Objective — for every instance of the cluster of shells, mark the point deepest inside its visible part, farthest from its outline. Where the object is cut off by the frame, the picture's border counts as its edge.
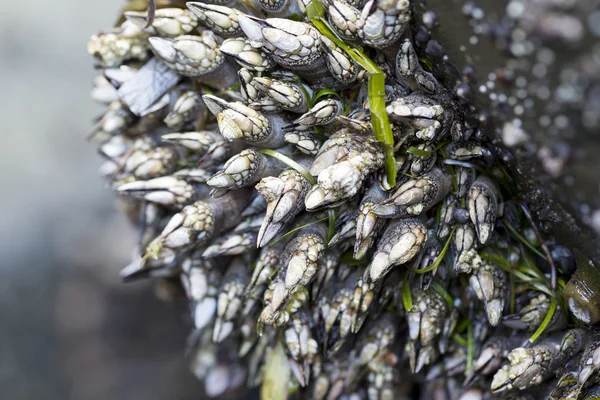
(239, 140)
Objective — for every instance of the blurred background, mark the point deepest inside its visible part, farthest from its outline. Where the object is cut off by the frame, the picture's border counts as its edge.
(69, 329)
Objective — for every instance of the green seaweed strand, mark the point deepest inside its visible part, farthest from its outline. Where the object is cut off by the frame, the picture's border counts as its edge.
(546, 321)
(296, 230)
(406, 295)
(290, 163)
(470, 349)
(439, 258)
(379, 117)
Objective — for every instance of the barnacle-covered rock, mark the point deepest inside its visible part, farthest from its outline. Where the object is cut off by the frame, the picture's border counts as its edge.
(306, 266)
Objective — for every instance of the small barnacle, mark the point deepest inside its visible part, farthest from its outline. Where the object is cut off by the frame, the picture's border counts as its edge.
(243, 169)
(464, 151)
(298, 267)
(185, 112)
(528, 366)
(368, 224)
(399, 244)
(285, 199)
(425, 324)
(247, 55)
(285, 95)
(491, 286)
(293, 45)
(113, 48)
(464, 241)
(341, 170)
(483, 207)
(323, 112)
(382, 23)
(237, 121)
(189, 55)
(220, 19)
(169, 22)
(416, 195)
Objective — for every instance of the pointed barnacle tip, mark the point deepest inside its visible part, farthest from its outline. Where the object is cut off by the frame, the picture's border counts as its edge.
(378, 266)
(279, 294)
(314, 198)
(214, 104)
(228, 128)
(204, 312)
(154, 248)
(174, 136)
(383, 210)
(266, 234)
(303, 119)
(484, 232)
(195, 6)
(229, 48)
(360, 249)
(250, 27)
(494, 311)
(498, 386)
(136, 17)
(219, 180)
(162, 47)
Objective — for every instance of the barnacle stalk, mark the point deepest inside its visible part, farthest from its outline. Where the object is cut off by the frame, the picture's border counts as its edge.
(583, 292)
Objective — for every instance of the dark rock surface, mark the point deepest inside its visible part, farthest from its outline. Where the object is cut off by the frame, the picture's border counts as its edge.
(537, 67)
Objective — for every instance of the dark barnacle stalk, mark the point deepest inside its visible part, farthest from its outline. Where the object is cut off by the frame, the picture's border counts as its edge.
(341, 220)
(582, 292)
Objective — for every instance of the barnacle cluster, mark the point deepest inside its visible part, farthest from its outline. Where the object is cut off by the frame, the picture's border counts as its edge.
(338, 214)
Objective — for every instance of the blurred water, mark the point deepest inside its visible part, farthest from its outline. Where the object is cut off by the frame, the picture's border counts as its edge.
(69, 329)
